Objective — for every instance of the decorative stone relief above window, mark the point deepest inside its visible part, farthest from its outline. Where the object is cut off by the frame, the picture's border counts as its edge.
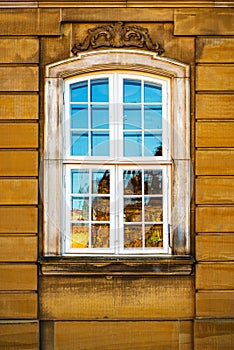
(117, 35)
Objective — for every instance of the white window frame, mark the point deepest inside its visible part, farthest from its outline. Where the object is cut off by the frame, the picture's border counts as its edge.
(136, 61)
(117, 158)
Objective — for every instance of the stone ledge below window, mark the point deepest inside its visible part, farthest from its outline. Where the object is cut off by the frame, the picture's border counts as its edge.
(175, 265)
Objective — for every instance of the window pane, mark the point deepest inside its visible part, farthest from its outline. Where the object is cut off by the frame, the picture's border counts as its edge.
(132, 144)
(79, 92)
(101, 209)
(153, 144)
(132, 91)
(132, 209)
(153, 117)
(79, 116)
(80, 208)
(152, 92)
(79, 144)
(79, 235)
(153, 236)
(99, 90)
(132, 182)
(100, 143)
(80, 181)
(132, 236)
(101, 182)
(153, 182)
(153, 209)
(99, 117)
(132, 117)
(100, 236)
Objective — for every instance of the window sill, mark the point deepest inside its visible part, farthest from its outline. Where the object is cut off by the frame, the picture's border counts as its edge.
(173, 265)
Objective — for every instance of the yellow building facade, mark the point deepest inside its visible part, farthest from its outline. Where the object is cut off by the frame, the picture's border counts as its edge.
(182, 301)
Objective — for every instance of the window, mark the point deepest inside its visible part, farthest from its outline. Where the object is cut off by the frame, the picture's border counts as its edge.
(116, 163)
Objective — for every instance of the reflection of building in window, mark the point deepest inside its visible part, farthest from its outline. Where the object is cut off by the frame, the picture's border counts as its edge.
(104, 183)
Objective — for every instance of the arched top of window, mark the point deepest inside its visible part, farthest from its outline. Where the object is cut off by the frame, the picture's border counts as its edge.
(134, 60)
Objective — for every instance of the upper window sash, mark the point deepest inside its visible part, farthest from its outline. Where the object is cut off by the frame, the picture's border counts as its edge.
(131, 120)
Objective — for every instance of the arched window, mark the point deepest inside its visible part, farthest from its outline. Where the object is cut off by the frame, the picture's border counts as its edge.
(117, 164)
(116, 160)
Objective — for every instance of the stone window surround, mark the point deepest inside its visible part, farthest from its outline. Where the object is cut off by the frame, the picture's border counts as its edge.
(180, 261)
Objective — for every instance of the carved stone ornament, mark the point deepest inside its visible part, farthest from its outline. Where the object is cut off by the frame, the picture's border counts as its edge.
(117, 35)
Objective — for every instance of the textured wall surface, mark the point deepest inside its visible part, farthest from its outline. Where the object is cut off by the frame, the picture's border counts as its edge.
(116, 312)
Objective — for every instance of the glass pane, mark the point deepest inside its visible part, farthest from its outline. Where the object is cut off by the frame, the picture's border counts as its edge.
(80, 181)
(99, 90)
(101, 209)
(132, 144)
(80, 208)
(153, 236)
(153, 117)
(100, 143)
(79, 116)
(100, 235)
(132, 236)
(101, 182)
(79, 144)
(79, 92)
(132, 209)
(99, 117)
(132, 181)
(79, 235)
(132, 117)
(153, 209)
(152, 92)
(131, 91)
(153, 144)
(153, 181)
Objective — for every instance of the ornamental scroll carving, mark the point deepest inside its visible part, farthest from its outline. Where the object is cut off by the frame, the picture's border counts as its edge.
(117, 35)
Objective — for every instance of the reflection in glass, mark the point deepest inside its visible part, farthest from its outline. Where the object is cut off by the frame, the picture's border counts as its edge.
(100, 143)
(99, 117)
(99, 90)
(132, 117)
(153, 236)
(80, 208)
(132, 236)
(100, 208)
(79, 144)
(80, 181)
(79, 235)
(153, 144)
(100, 235)
(152, 92)
(79, 91)
(79, 116)
(132, 181)
(101, 182)
(153, 209)
(131, 91)
(153, 117)
(153, 182)
(132, 209)
(132, 144)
